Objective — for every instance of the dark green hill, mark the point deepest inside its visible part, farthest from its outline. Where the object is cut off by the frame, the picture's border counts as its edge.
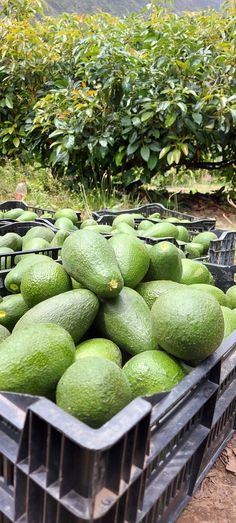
(121, 7)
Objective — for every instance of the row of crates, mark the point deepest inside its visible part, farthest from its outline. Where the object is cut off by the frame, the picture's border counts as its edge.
(142, 466)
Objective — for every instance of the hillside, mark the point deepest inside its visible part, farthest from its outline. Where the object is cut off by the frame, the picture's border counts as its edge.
(121, 7)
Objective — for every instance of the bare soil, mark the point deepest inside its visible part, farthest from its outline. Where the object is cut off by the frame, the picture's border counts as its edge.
(215, 500)
(225, 214)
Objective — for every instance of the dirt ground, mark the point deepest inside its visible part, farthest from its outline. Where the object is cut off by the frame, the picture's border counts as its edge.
(204, 206)
(215, 500)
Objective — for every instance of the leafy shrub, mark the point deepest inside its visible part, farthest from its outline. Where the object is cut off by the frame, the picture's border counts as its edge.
(129, 97)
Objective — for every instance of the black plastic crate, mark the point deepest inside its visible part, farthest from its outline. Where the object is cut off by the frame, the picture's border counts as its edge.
(224, 419)
(171, 490)
(224, 275)
(152, 241)
(133, 466)
(22, 228)
(195, 226)
(150, 208)
(64, 468)
(222, 250)
(168, 491)
(12, 204)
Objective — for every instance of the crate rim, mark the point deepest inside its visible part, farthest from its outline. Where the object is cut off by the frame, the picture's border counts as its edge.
(105, 436)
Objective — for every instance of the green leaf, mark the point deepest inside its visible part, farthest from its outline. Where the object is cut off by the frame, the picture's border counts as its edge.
(136, 121)
(132, 147)
(145, 153)
(189, 123)
(176, 155)
(69, 141)
(210, 126)
(170, 119)
(183, 107)
(9, 101)
(184, 148)
(154, 147)
(156, 133)
(197, 117)
(126, 121)
(152, 162)
(89, 112)
(170, 158)
(119, 157)
(103, 142)
(16, 141)
(58, 132)
(146, 116)
(233, 114)
(60, 124)
(133, 137)
(162, 106)
(164, 151)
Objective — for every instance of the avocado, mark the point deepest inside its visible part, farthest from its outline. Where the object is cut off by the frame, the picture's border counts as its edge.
(192, 251)
(4, 333)
(210, 289)
(11, 240)
(101, 348)
(125, 228)
(229, 321)
(144, 225)
(163, 230)
(205, 239)
(93, 390)
(88, 223)
(27, 216)
(132, 257)
(39, 232)
(151, 290)
(64, 223)
(32, 244)
(231, 297)
(89, 259)
(123, 218)
(13, 214)
(194, 272)
(67, 213)
(44, 280)
(59, 238)
(103, 229)
(171, 219)
(74, 310)
(126, 320)
(33, 359)
(152, 372)
(187, 323)
(14, 277)
(11, 309)
(183, 233)
(165, 262)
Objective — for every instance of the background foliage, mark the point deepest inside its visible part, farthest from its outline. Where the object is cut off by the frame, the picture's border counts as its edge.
(88, 95)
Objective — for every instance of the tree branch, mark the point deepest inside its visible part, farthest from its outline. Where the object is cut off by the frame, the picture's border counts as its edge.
(210, 165)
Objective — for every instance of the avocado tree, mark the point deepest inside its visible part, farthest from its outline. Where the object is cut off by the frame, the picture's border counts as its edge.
(131, 96)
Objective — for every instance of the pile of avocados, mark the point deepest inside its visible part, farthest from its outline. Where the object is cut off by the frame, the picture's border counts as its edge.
(113, 319)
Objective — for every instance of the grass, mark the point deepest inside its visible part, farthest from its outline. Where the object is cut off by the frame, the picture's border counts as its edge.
(45, 191)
